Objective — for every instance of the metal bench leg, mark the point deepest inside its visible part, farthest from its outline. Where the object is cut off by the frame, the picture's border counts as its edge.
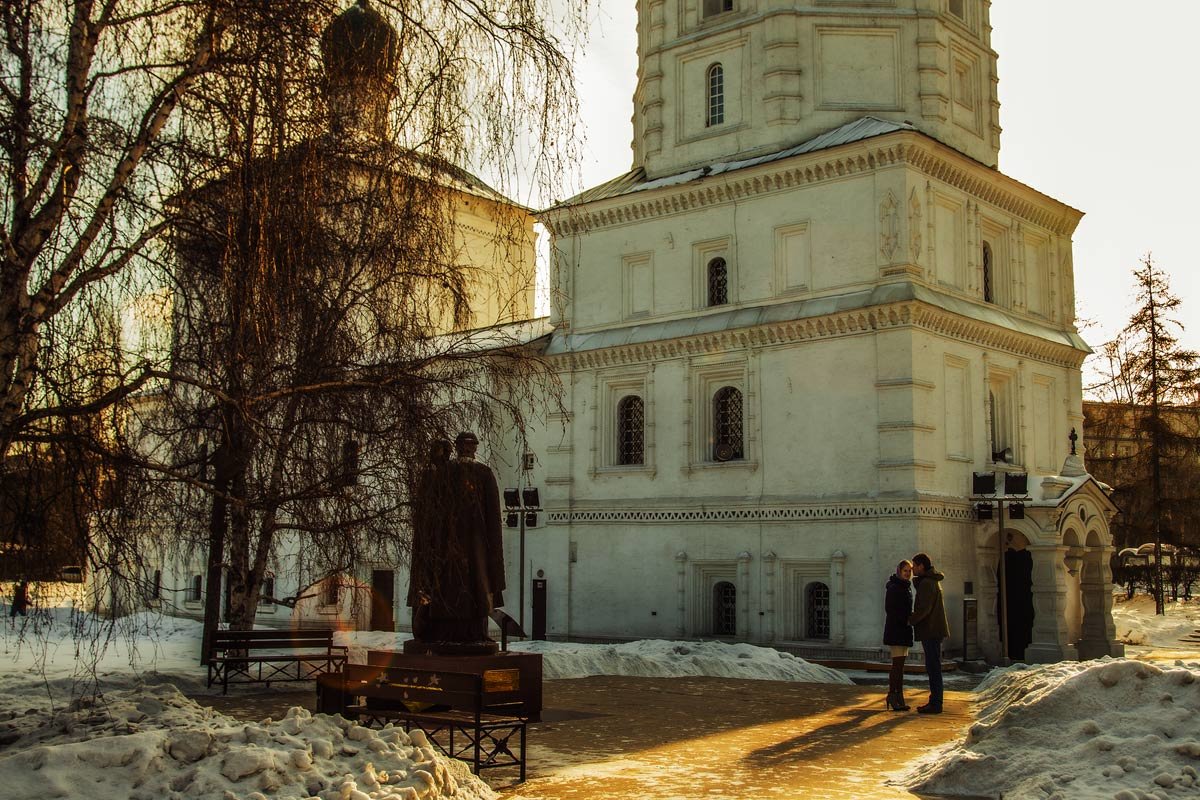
(523, 727)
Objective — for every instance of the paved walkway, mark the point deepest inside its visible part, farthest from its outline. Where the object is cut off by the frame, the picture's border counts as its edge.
(668, 739)
(613, 738)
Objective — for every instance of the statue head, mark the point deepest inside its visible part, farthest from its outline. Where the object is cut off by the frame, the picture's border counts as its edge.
(466, 443)
(439, 451)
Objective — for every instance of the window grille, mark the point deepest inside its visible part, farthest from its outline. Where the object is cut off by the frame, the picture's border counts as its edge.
(727, 425)
(988, 295)
(631, 430)
(724, 609)
(716, 95)
(818, 611)
(718, 282)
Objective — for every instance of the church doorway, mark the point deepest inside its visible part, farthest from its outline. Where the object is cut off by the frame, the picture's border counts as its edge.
(383, 593)
(724, 609)
(1016, 594)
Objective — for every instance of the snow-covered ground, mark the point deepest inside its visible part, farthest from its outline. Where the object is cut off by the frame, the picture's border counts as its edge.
(1137, 624)
(649, 658)
(152, 743)
(56, 654)
(1115, 728)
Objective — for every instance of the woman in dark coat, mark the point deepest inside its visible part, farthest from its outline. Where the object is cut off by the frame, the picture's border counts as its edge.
(897, 633)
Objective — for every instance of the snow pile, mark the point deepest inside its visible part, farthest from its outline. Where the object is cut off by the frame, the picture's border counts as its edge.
(1137, 624)
(1110, 728)
(152, 743)
(654, 658)
(648, 658)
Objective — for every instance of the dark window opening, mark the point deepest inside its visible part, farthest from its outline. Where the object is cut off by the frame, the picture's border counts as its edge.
(631, 431)
(727, 425)
(266, 595)
(330, 592)
(818, 611)
(988, 295)
(714, 7)
(196, 590)
(718, 282)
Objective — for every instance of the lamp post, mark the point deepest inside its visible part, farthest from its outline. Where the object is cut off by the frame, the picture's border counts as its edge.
(521, 507)
(985, 497)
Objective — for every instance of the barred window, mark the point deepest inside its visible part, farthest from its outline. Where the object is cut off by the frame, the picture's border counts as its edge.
(718, 282)
(716, 95)
(817, 603)
(631, 430)
(727, 425)
(724, 611)
(988, 295)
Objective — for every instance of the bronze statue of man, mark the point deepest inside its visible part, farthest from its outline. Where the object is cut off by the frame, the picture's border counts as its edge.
(458, 552)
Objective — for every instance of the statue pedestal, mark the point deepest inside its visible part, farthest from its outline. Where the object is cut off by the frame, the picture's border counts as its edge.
(512, 682)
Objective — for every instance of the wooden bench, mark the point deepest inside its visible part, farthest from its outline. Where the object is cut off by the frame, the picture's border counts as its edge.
(272, 656)
(471, 717)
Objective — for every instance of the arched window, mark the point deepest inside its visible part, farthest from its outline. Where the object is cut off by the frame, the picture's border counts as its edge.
(817, 603)
(989, 295)
(727, 425)
(716, 95)
(631, 430)
(196, 589)
(718, 282)
(724, 609)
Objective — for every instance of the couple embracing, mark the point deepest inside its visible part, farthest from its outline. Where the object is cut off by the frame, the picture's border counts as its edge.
(924, 620)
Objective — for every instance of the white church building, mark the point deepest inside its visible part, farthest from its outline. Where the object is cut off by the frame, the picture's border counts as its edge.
(791, 333)
(787, 338)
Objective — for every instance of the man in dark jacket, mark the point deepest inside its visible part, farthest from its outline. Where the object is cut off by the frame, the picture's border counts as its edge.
(930, 627)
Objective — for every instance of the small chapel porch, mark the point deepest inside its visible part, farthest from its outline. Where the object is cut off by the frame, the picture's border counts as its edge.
(1058, 578)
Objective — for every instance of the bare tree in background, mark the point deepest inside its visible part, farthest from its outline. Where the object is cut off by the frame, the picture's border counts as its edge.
(88, 93)
(322, 324)
(1151, 388)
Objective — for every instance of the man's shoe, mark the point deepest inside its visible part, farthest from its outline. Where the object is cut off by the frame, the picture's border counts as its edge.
(929, 709)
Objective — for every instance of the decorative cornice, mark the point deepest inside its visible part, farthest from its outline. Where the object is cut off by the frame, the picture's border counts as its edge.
(901, 148)
(913, 313)
(956, 510)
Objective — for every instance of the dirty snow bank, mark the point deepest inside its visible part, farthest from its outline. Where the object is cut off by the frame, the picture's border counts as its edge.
(1137, 624)
(1111, 728)
(648, 658)
(152, 742)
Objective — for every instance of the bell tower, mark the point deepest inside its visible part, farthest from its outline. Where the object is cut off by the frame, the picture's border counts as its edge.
(725, 79)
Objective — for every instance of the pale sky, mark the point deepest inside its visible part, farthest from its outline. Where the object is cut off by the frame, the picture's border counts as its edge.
(1099, 110)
